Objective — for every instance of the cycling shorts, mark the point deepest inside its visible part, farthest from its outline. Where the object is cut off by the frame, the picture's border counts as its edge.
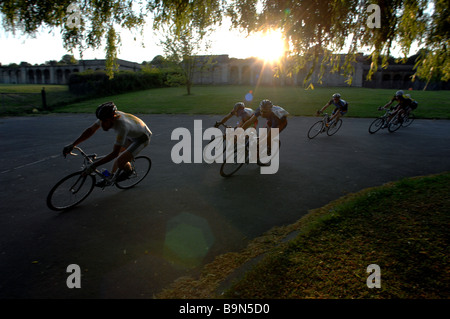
(138, 144)
(342, 112)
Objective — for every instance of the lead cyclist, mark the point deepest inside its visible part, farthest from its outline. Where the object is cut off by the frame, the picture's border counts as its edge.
(133, 136)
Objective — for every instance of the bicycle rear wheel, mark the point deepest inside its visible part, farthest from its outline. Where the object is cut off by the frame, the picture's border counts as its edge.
(408, 119)
(376, 125)
(334, 127)
(316, 129)
(394, 124)
(141, 166)
(70, 191)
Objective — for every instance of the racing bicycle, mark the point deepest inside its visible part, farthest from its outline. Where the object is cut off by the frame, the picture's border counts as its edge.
(394, 124)
(232, 162)
(324, 125)
(379, 123)
(76, 187)
(402, 119)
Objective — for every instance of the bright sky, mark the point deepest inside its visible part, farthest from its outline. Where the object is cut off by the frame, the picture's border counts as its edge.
(47, 45)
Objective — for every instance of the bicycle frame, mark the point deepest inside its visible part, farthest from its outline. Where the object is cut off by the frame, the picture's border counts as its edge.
(88, 160)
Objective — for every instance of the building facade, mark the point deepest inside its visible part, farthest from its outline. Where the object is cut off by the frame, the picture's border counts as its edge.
(54, 73)
(222, 70)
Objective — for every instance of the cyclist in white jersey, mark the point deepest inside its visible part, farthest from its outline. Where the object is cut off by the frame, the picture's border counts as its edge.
(241, 112)
(133, 136)
(275, 115)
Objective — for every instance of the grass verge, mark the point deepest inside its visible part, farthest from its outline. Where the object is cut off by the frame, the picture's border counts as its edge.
(401, 226)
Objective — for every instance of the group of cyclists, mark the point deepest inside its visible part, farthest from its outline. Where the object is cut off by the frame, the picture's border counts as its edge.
(133, 135)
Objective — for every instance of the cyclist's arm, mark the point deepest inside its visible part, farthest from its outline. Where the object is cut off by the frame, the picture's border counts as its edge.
(226, 118)
(249, 122)
(324, 108)
(388, 104)
(87, 133)
(282, 124)
(108, 158)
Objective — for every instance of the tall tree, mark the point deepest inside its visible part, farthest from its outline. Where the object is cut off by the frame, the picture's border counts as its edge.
(181, 48)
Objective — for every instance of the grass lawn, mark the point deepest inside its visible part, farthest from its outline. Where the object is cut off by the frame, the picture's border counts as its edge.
(402, 227)
(298, 101)
(17, 99)
(220, 100)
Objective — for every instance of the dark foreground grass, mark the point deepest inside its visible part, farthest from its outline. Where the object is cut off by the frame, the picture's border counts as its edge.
(402, 227)
(221, 99)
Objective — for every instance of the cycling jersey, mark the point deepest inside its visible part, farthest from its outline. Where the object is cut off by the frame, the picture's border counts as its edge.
(244, 114)
(130, 127)
(341, 104)
(276, 116)
(403, 102)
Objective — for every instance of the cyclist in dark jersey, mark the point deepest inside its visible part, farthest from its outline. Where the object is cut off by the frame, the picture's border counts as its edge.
(341, 108)
(404, 105)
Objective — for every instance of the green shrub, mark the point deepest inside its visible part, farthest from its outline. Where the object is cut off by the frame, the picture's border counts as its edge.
(98, 83)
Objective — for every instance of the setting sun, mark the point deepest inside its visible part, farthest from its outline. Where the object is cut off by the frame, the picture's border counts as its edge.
(266, 45)
(269, 45)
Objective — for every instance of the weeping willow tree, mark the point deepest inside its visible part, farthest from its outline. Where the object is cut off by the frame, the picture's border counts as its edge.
(94, 23)
(313, 29)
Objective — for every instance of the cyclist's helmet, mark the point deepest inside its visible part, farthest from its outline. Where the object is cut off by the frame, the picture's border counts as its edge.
(238, 106)
(106, 111)
(336, 96)
(399, 93)
(265, 104)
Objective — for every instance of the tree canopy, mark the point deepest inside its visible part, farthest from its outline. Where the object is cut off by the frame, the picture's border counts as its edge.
(313, 29)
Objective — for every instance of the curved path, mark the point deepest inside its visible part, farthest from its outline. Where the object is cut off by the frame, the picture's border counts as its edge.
(131, 244)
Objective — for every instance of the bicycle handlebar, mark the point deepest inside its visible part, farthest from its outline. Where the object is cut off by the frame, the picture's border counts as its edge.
(221, 124)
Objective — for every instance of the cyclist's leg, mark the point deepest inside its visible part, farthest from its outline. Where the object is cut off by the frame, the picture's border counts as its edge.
(118, 162)
(401, 114)
(334, 116)
(393, 113)
(133, 149)
(339, 114)
(280, 128)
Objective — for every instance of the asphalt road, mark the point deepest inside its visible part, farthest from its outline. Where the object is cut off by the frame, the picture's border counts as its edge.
(133, 243)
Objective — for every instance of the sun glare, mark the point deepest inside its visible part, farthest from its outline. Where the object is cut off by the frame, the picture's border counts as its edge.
(270, 46)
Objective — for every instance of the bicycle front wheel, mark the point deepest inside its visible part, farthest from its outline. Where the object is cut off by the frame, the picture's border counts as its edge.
(141, 166)
(334, 127)
(230, 164)
(376, 125)
(228, 169)
(316, 129)
(70, 191)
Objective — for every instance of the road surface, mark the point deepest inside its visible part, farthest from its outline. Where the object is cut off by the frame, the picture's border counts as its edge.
(133, 243)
